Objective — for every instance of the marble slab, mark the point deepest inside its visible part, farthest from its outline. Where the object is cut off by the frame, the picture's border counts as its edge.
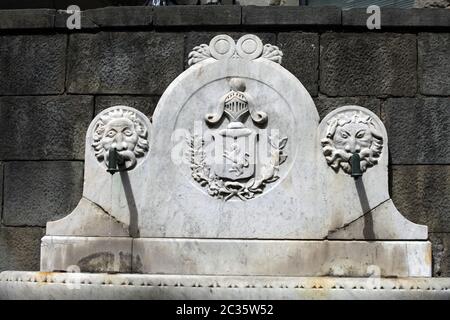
(16, 285)
(282, 258)
(86, 254)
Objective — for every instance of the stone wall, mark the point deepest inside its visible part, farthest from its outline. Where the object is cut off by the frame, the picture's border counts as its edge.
(54, 81)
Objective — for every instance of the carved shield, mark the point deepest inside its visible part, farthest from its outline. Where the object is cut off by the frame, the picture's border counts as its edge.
(235, 151)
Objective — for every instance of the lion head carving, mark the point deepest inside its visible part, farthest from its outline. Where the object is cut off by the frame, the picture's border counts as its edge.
(348, 133)
(121, 129)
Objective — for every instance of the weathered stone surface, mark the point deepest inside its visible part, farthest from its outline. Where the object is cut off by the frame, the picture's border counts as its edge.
(146, 105)
(432, 4)
(26, 4)
(32, 64)
(418, 129)
(121, 63)
(92, 4)
(434, 63)
(83, 286)
(27, 19)
(368, 64)
(35, 128)
(197, 15)
(19, 248)
(267, 2)
(301, 57)
(37, 192)
(283, 258)
(88, 220)
(194, 39)
(396, 17)
(381, 223)
(2, 168)
(422, 194)
(137, 16)
(441, 254)
(294, 16)
(63, 4)
(86, 254)
(325, 104)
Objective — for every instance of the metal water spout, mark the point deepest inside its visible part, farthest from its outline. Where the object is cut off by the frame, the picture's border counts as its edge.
(355, 163)
(115, 161)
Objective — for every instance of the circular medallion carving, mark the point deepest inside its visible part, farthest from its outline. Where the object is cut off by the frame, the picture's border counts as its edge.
(222, 47)
(249, 47)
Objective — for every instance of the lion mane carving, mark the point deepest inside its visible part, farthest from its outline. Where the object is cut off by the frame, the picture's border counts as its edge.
(348, 133)
(121, 129)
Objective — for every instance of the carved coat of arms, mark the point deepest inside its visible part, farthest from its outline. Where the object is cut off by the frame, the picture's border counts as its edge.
(238, 168)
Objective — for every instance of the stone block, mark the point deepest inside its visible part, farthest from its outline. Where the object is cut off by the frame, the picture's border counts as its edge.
(301, 57)
(138, 16)
(434, 63)
(291, 16)
(194, 39)
(121, 63)
(27, 19)
(282, 258)
(44, 127)
(432, 4)
(197, 16)
(396, 17)
(368, 64)
(441, 254)
(19, 248)
(86, 254)
(422, 194)
(418, 129)
(37, 192)
(32, 64)
(325, 105)
(146, 105)
(2, 168)
(26, 4)
(267, 3)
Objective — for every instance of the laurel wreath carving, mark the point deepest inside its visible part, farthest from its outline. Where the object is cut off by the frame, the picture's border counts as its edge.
(227, 189)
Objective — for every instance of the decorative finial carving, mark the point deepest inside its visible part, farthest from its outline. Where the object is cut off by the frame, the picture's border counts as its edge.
(248, 47)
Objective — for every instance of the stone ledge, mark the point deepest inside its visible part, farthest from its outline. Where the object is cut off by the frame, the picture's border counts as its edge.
(27, 19)
(197, 16)
(138, 16)
(47, 285)
(146, 16)
(393, 17)
(291, 16)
